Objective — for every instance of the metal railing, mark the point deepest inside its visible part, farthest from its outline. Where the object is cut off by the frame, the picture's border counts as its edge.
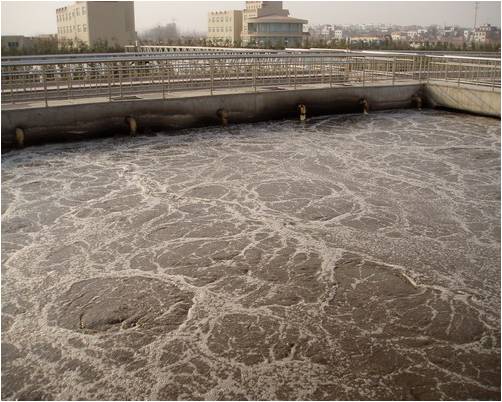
(464, 70)
(127, 75)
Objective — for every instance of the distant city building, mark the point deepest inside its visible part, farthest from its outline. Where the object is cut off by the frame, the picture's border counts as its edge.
(264, 23)
(338, 34)
(224, 27)
(16, 42)
(20, 43)
(486, 34)
(447, 31)
(327, 30)
(398, 36)
(93, 22)
(366, 39)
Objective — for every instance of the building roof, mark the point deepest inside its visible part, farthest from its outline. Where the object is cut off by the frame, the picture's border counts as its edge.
(277, 18)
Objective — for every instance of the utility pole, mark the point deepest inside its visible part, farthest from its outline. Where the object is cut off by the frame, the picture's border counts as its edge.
(476, 6)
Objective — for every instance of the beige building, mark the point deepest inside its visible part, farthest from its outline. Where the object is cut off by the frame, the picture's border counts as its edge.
(93, 22)
(266, 23)
(224, 27)
(256, 9)
(263, 24)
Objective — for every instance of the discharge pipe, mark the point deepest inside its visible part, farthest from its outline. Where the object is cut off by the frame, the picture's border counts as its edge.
(365, 104)
(19, 137)
(223, 116)
(417, 100)
(133, 125)
(302, 109)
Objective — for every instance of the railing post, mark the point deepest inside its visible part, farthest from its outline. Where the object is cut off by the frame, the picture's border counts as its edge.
(168, 78)
(109, 82)
(419, 68)
(459, 63)
(494, 70)
(69, 82)
(120, 80)
(211, 74)
(331, 74)
(428, 68)
(44, 80)
(413, 69)
(162, 73)
(364, 69)
(254, 74)
(322, 70)
(288, 63)
(393, 71)
(446, 70)
(296, 65)
(12, 83)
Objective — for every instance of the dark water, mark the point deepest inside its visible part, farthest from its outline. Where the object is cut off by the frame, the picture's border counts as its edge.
(353, 257)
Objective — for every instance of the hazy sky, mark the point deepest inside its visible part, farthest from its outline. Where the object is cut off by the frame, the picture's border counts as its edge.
(37, 17)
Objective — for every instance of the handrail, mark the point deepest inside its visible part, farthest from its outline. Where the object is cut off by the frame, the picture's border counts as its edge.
(172, 56)
(116, 77)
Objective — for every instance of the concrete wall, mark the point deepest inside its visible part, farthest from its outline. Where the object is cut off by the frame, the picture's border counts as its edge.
(467, 98)
(74, 122)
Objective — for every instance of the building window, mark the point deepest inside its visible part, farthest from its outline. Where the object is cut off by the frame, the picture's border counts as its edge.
(84, 27)
(78, 12)
(83, 10)
(79, 28)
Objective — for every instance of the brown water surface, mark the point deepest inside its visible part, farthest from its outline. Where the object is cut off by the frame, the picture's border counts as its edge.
(352, 257)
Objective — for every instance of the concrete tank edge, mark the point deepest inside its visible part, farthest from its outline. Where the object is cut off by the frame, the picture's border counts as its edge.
(81, 121)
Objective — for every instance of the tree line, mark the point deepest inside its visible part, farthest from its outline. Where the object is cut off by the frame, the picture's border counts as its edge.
(168, 36)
